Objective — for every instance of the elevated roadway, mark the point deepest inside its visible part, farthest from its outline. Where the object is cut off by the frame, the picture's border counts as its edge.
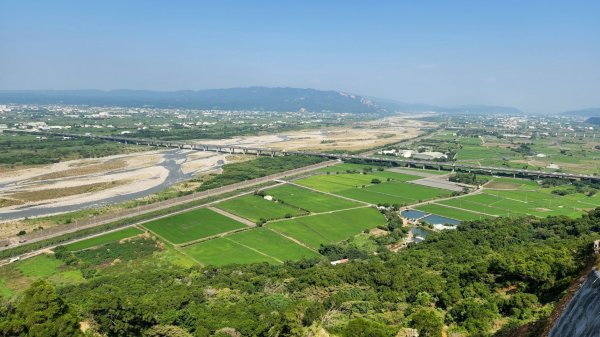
(406, 162)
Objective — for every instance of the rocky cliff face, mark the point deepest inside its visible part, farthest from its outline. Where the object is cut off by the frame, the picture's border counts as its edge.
(581, 317)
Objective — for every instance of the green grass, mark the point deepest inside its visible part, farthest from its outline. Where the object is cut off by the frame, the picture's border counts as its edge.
(391, 192)
(40, 266)
(222, 251)
(450, 212)
(522, 183)
(330, 227)
(193, 225)
(309, 200)
(526, 201)
(254, 207)
(71, 276)
(272, 244)
(470, 152)
(335, 182)
(343, 167)
(5, 290)
(173, 256)
(104, 239)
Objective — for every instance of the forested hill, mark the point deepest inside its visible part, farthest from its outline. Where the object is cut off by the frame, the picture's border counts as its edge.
(591, 112)
(594, 120)
(253, 98)
(487, 278)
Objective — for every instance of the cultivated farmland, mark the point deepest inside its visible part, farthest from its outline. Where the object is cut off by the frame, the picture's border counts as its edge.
(449, 212)
(193, 225)
(311, 201)
(222, 251)
(329, 227)
(255, 207)
(392, 187)
(272, 244)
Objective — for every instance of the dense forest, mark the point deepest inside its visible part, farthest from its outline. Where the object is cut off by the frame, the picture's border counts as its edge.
(486, 278)
(28, 150)
(259, 167)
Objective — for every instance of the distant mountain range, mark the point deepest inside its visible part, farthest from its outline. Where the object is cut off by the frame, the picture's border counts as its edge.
(252, 98)
(590, 112)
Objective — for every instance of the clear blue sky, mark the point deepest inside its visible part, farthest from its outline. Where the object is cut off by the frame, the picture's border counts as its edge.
(541, 56)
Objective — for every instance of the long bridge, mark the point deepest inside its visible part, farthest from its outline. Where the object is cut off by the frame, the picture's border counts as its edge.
(407, 162)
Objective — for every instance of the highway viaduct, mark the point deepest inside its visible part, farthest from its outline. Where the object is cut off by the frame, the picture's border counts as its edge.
(406, 162)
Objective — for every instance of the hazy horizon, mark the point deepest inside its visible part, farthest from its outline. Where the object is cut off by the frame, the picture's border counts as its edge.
(539, 56)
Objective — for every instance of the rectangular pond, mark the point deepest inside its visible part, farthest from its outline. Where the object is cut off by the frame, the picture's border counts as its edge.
(440, 220)
(412, 214)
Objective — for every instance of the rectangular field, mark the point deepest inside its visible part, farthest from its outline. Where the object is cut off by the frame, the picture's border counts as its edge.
(391, 192)
(311, 201)
(104, 239)
(222, 251)
(450, 212)
(192, 225)
(540, 203)
(254, 208)
(481, 203)
(335, 182)
(330, 227)
(272, 244)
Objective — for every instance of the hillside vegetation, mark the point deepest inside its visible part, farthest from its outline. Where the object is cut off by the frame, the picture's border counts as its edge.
(486, 278)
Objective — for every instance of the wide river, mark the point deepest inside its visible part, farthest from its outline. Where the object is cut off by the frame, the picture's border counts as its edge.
(172, 162)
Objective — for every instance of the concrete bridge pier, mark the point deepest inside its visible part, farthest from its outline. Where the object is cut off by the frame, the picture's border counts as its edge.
(231, 150)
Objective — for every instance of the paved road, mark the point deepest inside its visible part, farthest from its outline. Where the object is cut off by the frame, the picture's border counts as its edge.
(233, 216)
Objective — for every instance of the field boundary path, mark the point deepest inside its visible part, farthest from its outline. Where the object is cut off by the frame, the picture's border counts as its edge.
(232, 216)
(139, 210)
(329, 193)
(296, 241)
(254, 249)
(208, 238)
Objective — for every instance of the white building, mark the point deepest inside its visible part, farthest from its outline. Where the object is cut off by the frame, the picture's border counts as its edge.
(429, 155)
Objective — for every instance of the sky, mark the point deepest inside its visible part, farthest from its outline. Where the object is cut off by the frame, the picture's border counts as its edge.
(540, 56)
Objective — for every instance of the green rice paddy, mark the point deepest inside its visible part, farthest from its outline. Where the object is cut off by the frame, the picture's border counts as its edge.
(329, 227)
(193, 225)
(255, 207)
(104, 239)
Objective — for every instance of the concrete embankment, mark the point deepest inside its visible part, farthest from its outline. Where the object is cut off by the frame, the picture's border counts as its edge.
(581, 317)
